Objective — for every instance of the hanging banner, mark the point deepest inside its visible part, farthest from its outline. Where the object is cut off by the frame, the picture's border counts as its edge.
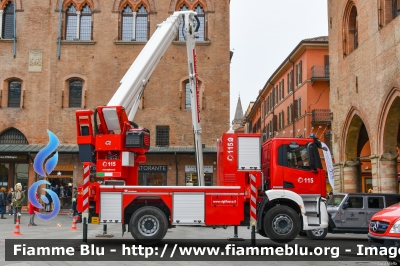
(329, 164)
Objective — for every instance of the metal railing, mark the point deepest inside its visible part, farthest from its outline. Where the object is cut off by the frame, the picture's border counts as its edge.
(320, 72)
(321, 115)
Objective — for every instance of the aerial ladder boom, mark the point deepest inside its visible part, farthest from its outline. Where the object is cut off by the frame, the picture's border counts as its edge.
(134, 81)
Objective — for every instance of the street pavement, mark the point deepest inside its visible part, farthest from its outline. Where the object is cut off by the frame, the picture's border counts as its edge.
(60, 228)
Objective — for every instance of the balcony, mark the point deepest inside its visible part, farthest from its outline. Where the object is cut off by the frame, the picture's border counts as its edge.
(321, 116)
(320, 73)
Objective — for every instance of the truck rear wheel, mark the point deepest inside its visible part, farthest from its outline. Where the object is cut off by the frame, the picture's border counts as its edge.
(148, 225)
(281, 224)
(317, 233)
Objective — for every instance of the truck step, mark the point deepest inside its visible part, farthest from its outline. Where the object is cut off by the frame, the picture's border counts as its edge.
(309, 213)
(313, 224)
(310, 201)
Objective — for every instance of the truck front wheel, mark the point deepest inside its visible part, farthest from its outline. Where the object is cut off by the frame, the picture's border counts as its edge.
(148, 225)
(317, 233)
(281, 224)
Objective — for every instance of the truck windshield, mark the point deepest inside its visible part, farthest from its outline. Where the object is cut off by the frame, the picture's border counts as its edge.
(297, 157)
(335, 200)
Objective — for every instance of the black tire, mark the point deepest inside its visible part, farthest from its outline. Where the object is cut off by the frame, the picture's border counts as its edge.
(317, 234)
(281, 224)
(148, 225)
(302, 233)
(262, 233)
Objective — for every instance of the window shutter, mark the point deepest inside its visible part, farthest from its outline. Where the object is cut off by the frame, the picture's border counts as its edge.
(300, 72)
(295, 109)
(299, 105)
(292, 81)
(283, 88)
(275, 123)
(273, 97)
(283, 119)
(297, 75)
(288, 83)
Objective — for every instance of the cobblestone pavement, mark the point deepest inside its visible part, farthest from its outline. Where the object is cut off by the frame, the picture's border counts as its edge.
(60, 228)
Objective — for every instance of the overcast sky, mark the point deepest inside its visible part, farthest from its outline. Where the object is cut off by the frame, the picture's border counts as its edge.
(263, 33)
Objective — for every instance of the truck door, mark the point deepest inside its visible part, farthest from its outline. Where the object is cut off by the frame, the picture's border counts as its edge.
(353, 212)
(374, 204)
(297, 175)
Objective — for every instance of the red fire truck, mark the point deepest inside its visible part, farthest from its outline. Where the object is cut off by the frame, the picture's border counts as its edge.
(279, 185)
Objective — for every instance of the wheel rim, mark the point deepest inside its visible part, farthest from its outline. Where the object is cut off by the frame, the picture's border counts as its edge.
(282, 224)
(318, 232)
(148, 225)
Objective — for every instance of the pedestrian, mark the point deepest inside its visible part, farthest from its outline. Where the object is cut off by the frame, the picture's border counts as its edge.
(49, 202)
(9, 201)
(3, 202)
(74, 201)
(18, 200)
(31, 210)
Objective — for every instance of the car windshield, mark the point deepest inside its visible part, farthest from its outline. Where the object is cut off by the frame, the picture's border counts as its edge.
(335, 200)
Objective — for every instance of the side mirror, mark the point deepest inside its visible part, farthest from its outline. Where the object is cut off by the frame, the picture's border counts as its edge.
(345, 205)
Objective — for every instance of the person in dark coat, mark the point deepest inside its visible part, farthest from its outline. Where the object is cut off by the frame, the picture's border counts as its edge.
(3, 202)
(48, 204)
(9, 201)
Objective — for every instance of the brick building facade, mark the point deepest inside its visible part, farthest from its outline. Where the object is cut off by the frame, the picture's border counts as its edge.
(73, 58)
(365, 94)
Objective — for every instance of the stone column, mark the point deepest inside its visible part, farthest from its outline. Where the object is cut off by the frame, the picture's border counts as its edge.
(134, 27)
(374, 172)
(1, 25)
(350, 176)
(338, 176)
(388, 172)
(78, 25)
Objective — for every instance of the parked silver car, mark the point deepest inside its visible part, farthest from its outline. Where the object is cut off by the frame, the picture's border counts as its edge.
(351, 212)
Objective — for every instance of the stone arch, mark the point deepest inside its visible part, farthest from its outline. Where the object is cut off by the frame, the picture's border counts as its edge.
(354, 125)
(388, 141)
(150, 5)
(389, 121)
(354, 143)
(12, 135)
(207, 5)
(18, 3)
(79, 4)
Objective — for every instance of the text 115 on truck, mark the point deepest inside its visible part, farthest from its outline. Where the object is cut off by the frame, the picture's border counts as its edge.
(257, 182)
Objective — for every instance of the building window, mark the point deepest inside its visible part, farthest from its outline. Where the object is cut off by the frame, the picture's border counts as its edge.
(13, 136)
(75, 94)
(350, 38)
(162, 136)
(290, 81)
(201, 16)
(14, 94)
(188, 103)
(290, 113)
(299, 73)
(297, 108)
(387, 11)
(7, 30)
(134, 24)
(281, 90)
(281, 120)
(78, 23)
